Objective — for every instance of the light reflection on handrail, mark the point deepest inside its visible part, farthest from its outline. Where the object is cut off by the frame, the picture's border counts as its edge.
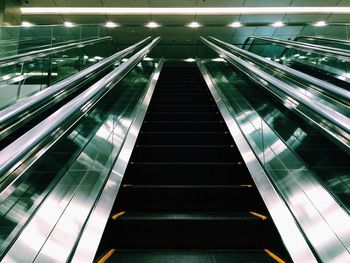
(15, 59)
(24, 107)
(340, 93)
(12, 155)
(324, 39)
(341, 121)
(335, 52)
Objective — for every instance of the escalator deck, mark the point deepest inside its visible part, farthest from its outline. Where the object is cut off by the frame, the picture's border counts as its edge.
(187, 195)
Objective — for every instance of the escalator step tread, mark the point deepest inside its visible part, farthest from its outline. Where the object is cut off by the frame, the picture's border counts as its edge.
(186, 185)
(189, 216)
(190, 256)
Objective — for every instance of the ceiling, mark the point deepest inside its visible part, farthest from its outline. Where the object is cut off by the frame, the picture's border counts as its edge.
(178, 40)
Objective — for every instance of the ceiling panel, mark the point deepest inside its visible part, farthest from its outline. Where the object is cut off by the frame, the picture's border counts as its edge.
(172, 3)
(220, 3)
(125, 3)
(222, 19)
(338, 18)
(78, 3)
(178, 20)
(344, 3)
(314, 2)
(82, 19)
(260, 3)
(139, 20)
(260, 18)
(46, 20)
(224, 34)
(309, 18)
(38, 3)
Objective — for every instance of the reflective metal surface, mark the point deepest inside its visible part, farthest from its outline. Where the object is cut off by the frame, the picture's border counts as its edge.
(92, 233)
(12, 155)
(330, 64)
(76, 168)
(333, 90)
(44, 52)
(322, 220)
(331, 42)
(289, 230)
(335, 124)
(21, 79)
(340, 53)
(25, 109)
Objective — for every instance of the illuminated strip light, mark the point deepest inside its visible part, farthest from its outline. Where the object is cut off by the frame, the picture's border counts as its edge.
(182, 10)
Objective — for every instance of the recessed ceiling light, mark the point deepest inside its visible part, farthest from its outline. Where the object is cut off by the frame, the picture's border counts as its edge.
(235, 24)
(68, 24)
(190, 60)
(26, 24)
(278, 24)
(194, 24)
(320, 23)
(111, 24)
(152, 24)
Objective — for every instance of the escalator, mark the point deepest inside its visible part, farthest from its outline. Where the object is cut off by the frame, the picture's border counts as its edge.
(187, 195)
(23, 75)
(321, 74)
(20, 117)
(327, 63)
(323, 41)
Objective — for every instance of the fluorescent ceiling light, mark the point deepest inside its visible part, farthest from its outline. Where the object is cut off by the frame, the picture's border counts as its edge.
(320, 23)
(278, 24)
(235, 24)
(184, 10)
(68, 24)
(111, 24)
(152, 24)
(194, 24)
(26, 24)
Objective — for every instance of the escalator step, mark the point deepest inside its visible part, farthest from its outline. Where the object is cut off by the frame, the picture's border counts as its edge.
(185, 153)
(182, 116)
(190, 256)
(187, 173)
(176, 138)
(177, 231)
(183, 126)
(182, 108)
(188, 198)
(182, 101)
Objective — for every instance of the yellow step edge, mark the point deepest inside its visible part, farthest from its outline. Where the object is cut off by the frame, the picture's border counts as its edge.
(246, 185)
(107, 256)
(258, 215)
(274, 256)
(114, 217)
